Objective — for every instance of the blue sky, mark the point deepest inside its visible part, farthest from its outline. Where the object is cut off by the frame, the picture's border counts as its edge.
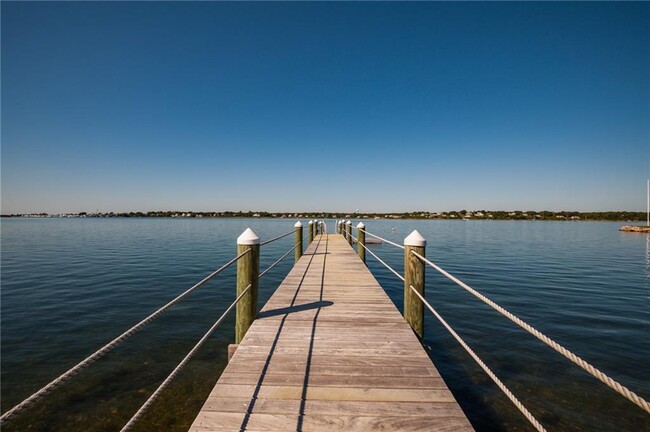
(324, 106)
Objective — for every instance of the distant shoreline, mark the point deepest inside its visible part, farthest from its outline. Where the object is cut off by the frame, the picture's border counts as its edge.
(573, 216)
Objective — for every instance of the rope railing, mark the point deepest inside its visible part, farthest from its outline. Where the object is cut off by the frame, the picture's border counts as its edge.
(592, 370)
(109, 346)
(278, 261)
(276, 238)
(183, 362)
(598, 374)
(381, 261)
(382, 239)
(536, 424)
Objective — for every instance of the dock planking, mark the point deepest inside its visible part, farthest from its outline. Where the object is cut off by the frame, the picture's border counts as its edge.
(330, 351)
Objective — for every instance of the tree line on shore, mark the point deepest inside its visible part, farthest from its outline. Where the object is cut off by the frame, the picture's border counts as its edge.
(459, 215)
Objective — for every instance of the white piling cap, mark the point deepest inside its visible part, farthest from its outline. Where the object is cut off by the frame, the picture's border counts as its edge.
(415, 239)
(298, 225)
(311, 222)
(349, 222)
(360, 225)
(248, 237)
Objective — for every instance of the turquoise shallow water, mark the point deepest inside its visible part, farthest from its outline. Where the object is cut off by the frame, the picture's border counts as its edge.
(70, 285)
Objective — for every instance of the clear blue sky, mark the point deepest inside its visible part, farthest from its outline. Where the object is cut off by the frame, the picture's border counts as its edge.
(324, 106)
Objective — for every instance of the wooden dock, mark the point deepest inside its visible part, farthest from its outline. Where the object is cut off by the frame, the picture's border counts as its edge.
(330, 351)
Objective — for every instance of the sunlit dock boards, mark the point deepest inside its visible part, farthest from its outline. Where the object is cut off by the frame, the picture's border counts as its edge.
(330, 351)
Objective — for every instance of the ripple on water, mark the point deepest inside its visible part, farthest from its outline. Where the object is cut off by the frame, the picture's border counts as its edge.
(70, 285)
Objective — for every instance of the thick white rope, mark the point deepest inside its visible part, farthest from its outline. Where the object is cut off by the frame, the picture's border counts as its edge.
(536, 424)
(183, 362)
(382, 261)
(278, 261)
(277, 238)
(615, 385)
(109, 346)
(384, 240)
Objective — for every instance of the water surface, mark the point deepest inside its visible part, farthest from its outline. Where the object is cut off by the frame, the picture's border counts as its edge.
(70, 285)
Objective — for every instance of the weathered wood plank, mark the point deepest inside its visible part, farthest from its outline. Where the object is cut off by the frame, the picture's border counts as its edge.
(329, 407)
(213, 421)
(360, 381)
(330, 351)
(332, 393)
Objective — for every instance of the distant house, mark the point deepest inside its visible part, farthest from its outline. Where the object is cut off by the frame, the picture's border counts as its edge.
(512, 214)
(575, 217)
(479, 214)
(256, 215)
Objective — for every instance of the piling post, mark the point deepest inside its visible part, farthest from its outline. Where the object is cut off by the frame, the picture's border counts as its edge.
(310, 231)
(361, 241)
(298, 241)
(248, 270)
(414, 275)
(348, 225)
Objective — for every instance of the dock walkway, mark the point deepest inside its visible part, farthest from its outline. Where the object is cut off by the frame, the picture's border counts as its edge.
(330, 351)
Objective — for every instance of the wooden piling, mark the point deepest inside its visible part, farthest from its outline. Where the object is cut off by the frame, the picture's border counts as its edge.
(361, 241)
(248, 270)
(348, 228)
(414, 275)
(298, 241)
(310, 232)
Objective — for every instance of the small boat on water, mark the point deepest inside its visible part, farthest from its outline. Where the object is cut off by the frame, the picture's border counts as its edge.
(640, 228)
(635, 228)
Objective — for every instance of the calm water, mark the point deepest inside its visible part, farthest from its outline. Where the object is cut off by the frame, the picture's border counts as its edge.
(70, 285)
